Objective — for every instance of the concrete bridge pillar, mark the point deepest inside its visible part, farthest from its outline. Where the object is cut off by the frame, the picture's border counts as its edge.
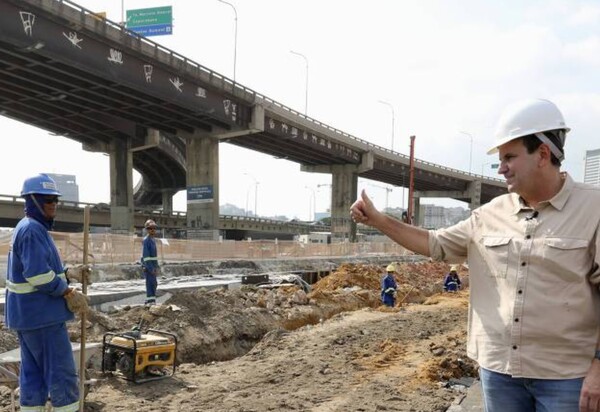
(344, 191)
(416, 221)
(167, 201)
(344, 186)
(121, 186)
(202, 161)
(474, 190)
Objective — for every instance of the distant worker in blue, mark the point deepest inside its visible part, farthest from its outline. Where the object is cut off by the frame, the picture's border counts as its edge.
(150, 262)
(388, 286)
(452, 281)
(39, 302)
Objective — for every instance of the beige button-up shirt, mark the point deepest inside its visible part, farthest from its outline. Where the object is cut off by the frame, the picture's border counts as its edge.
(534, 304)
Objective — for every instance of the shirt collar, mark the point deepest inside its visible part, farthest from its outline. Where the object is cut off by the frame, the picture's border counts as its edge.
(558, 201)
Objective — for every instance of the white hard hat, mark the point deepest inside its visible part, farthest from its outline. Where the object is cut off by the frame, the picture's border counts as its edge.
(390, 268)
(527, 117)
(149, 223)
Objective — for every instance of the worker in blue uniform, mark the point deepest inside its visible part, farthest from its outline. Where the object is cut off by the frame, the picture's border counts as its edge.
(39, 302)
(452, 281)
(388, 286)
(150, 267)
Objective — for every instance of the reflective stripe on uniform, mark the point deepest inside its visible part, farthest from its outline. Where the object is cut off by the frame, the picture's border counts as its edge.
(74, 407)
(41, 279)
(29, 287)
(150, 258)
(32, 408)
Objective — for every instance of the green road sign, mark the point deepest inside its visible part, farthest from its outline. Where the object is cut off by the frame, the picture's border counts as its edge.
(150, 17)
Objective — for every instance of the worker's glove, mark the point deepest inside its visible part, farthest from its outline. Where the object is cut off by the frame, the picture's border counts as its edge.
(390, 291)
(77, 273)
(77, 302)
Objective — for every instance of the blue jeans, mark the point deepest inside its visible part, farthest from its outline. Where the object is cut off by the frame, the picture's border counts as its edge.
(503, 393)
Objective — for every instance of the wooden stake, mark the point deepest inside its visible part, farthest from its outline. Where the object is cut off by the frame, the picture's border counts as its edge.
(405, 296)
(86, 235)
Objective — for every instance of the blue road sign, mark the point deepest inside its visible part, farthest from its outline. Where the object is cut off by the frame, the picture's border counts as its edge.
(200, 194)
(153, 30)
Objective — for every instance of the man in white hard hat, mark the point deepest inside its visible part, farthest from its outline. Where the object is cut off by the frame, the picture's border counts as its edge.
(534, 264)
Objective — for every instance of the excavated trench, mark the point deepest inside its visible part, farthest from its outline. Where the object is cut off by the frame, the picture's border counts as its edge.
(219, 325)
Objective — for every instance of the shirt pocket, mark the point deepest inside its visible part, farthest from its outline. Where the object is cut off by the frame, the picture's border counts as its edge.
(496, 253)
(567, 257)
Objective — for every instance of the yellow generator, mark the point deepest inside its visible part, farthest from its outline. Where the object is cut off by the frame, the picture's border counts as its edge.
(139, 357)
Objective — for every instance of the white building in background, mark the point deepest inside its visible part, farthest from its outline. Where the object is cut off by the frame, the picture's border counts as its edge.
(437, 217)
(316, 237)
(591, 173)
(433, 216)
(67, 186)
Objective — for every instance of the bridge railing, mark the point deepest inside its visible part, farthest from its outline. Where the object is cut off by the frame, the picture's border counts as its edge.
(157, 214)
(110, 249)
(232, 85)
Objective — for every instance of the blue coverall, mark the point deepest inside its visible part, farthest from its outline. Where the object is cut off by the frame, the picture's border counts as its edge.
(388, 287)
(451, 282)
(36, 310)
(150, 267)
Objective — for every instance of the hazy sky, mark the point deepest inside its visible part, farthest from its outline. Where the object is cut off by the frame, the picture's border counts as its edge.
(446, 67)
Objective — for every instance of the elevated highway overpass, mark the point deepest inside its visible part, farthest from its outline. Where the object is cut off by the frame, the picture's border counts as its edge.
(67, 71)
(70, 218)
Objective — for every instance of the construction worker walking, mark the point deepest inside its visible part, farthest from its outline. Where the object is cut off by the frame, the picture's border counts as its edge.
(39, 302)
(150, 266)
(388, 286)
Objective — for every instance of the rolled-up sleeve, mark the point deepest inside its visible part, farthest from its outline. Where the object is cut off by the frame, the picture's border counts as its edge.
(452, 244)
(595, 273)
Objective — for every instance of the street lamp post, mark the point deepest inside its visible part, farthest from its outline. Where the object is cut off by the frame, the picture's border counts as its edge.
(256, 182)
(391, 107)
(314, 204)
(247, 194)
(235, 36)
(319, 186)
(306, 85)
(471, 151)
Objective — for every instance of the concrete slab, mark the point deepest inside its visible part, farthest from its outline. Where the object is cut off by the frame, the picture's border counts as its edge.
(106, 294)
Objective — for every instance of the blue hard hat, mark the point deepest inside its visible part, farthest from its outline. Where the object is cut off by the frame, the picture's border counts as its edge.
(40, 184)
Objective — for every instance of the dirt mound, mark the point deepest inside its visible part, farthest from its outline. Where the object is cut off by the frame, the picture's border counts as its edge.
(416, 281)
(349, 276)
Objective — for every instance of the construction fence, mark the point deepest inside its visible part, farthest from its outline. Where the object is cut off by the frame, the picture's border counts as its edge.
(120, 249)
